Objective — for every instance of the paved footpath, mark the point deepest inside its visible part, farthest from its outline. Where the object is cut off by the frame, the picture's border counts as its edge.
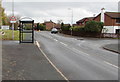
(112, 47)
(25, 62)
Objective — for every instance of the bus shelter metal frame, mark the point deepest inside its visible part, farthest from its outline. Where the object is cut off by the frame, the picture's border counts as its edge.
(21, 31)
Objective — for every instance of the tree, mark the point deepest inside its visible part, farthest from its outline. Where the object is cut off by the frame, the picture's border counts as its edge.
(93, 26)
(38, 27)
(42, 27)
(3, 18)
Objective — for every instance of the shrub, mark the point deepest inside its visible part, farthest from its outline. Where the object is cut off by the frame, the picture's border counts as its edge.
(42, 27)
(65, 27)
(76, 28)
(93, 26)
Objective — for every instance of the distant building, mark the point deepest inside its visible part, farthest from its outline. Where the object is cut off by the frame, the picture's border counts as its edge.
(58, 26)
(49, 25)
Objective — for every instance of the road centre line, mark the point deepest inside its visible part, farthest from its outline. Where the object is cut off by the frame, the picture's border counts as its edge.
(55, 39)
(52, 63)
(80, 51)
(111, 64)
(64, 44)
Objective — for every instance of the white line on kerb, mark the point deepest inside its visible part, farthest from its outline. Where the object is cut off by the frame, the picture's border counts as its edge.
(63, 43)
(111, 64)
(51, 62)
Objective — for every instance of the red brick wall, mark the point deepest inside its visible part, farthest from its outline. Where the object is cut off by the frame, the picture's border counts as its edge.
(97, 18)
(108, 21)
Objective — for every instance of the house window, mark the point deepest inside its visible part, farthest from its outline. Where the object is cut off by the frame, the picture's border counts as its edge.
(117, 20)
(117, 31)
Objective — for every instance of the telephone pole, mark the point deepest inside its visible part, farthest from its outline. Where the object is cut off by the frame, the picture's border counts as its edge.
(13, 23)
(1, 12)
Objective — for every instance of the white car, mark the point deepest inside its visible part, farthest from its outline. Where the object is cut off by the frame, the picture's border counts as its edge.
(54, 30)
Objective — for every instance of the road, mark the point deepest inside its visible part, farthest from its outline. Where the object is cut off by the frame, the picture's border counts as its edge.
(80, 58)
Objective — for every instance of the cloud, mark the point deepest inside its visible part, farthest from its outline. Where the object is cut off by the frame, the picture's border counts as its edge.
(62, 0)
(41, 11)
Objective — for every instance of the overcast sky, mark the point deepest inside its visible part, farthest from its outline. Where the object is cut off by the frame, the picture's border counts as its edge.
(44, 10)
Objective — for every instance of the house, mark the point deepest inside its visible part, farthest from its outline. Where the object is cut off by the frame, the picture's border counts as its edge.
(83, 21)
(49, 25)
(111, 21)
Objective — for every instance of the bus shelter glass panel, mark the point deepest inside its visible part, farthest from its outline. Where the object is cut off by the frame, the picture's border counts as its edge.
(26, 32)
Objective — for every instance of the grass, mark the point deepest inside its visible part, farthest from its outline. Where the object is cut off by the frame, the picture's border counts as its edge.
(8, 35)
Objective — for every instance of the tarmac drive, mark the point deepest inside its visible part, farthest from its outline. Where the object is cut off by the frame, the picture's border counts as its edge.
(25, 62)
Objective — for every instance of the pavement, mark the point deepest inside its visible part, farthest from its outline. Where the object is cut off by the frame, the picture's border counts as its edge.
(112, 47)
(25, 62)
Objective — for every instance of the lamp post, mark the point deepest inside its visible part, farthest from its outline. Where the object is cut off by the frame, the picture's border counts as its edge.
(0, 13)
(71, 19)
(13, 23)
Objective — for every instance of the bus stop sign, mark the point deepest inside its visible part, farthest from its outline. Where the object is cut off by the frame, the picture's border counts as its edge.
(12, 19)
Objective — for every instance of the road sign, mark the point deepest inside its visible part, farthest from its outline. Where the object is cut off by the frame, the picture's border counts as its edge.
(13, 19)
(5, 27)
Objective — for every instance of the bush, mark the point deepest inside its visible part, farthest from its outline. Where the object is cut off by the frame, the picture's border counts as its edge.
(65, 27)
(40, 27)
(93, 26)
(76, 28)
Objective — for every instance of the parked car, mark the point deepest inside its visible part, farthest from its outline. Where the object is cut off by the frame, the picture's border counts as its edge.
(54, 30)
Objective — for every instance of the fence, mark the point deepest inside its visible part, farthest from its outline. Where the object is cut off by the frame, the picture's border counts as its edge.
(92, 34)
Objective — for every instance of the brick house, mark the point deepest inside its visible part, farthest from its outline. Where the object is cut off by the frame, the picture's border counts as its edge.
(83, 21)
(49, 25)
(111, 21)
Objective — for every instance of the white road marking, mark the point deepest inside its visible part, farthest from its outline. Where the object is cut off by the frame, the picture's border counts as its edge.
(56, 40)
(37, 44)
(80, 51)
(52, 63)
(64, 44)
(111, 64)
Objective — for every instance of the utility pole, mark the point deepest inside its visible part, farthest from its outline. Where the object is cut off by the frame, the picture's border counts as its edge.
(71, 19)
(13, 23)
(0, 13)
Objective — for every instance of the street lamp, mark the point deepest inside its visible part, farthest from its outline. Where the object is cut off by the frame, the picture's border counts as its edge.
(71, 19)
(13, 15)
(71, 16)
(0, 13)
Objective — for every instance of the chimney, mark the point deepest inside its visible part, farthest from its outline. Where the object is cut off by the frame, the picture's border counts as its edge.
(102, 15)
(94, 15)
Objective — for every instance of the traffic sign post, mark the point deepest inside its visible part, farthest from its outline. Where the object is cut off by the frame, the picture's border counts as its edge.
(13, 20)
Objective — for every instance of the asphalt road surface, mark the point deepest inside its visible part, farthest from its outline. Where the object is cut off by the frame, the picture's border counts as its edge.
(80, 58)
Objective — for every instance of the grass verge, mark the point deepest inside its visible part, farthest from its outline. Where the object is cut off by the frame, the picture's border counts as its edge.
(8, 35)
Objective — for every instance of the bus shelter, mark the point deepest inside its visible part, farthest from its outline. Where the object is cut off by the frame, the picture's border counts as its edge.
(26, 31)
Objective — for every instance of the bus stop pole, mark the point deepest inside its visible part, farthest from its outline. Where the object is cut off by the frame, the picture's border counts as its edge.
(13, 31)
